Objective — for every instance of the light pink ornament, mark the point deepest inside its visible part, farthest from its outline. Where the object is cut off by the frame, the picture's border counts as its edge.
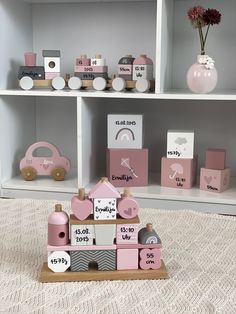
(81, 207)
(150, 259)
(202, 76)
(128, 207)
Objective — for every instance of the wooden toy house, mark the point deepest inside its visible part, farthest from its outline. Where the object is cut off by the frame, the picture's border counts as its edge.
(103, 245)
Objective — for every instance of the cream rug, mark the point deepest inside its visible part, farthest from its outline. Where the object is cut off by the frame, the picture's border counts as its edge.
(199, 251)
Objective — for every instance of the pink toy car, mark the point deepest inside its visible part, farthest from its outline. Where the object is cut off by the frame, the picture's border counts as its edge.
(56, 165)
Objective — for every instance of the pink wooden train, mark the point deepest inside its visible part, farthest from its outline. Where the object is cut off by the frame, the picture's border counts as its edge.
(101, 240)
(133, 73)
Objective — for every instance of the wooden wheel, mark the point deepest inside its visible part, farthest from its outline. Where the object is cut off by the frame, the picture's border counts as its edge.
(58, 173)
(29, 173)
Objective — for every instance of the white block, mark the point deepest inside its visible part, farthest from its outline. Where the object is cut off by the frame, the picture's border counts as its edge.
(180, 144)
(59, 261)
(104, 208)
(52, 64)
(124, 131)
(82, 234)
(143, 71)
(98, 61)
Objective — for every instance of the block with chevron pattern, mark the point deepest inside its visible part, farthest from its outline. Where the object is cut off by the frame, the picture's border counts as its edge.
(114, 246)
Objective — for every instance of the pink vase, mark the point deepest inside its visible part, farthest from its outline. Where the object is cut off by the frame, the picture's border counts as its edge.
(202, 76)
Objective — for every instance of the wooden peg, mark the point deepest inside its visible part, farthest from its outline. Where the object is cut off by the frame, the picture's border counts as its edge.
(58, 208)
(98, 56)
(126, 193)
(81, 194)
(149, 227)
(104, 179)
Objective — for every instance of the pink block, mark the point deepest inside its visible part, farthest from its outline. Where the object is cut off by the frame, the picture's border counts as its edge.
(81, 208)
(104, 189)
(91, 69)
(83, 61)
(178, 173)
(127, 167)
(128, 207)
(30, 59)
(58, 234)
(214, 180)
(215, 158)
(125, 69)
(50, 76)
(142, 60)
(150, 259)
(127, 234)
(127, 259)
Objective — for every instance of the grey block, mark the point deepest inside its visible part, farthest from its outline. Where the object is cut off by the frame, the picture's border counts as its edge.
(51, 53)
(126, 60)
(126, 77)
(90, 76)
(36, 73)
(106, 260)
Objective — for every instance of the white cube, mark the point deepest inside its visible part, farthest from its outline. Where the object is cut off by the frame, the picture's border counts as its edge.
(52, 64)
(124, 131)
(180, 144)
(82, 234)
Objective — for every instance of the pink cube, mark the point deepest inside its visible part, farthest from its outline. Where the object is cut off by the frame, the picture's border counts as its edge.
(127, 167)
(214, 180)
(178, 173)
(127, 259)
(215, 159)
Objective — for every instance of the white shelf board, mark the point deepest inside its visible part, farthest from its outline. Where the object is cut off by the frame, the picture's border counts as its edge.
(46, 184)
(81, 1)
(157, 192)
(172, 94)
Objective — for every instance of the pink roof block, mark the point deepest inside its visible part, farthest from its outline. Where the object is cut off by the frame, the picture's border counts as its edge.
(104, 189)
(143, 60)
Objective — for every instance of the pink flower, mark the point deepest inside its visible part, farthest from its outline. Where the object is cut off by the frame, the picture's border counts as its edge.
(196, 13)
(199, 18)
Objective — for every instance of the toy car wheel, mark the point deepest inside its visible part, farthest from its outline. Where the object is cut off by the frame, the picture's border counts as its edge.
(26, 83)
(29, 173)
(58, 173)
(142, 85)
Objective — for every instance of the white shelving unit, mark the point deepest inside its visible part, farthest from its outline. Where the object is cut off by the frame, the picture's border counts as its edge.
(75, 121)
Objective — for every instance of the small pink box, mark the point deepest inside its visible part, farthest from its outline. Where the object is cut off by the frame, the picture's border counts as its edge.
(214, 180)
(178, 173)
(83, 61)
(127, 259)
(91, 69)
(215, 158)
(30, 59)
(125, 68)
(127, 167)
(51, 75)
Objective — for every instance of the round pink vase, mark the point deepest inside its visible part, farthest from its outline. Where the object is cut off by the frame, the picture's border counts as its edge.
(202, 76)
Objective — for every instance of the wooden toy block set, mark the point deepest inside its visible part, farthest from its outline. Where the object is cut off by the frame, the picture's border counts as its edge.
(179, 168)
(133, 73)
(127, 160)
(101, 240)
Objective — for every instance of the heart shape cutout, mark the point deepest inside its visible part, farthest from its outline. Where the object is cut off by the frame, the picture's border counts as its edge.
(45, 166)
(208, 179)
(81, 208)
(128, 211)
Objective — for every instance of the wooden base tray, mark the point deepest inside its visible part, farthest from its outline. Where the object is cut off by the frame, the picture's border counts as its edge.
(95, 275)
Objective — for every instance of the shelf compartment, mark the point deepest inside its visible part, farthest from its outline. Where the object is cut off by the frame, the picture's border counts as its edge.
(180, 43)
(31, 119)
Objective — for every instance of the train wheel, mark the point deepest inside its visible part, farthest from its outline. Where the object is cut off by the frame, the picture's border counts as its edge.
(99, 83)
(29, 173)
(26, 83)
(58, 83)
(142, 85)
(74, 83)
(58, 173)
(118, 84)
